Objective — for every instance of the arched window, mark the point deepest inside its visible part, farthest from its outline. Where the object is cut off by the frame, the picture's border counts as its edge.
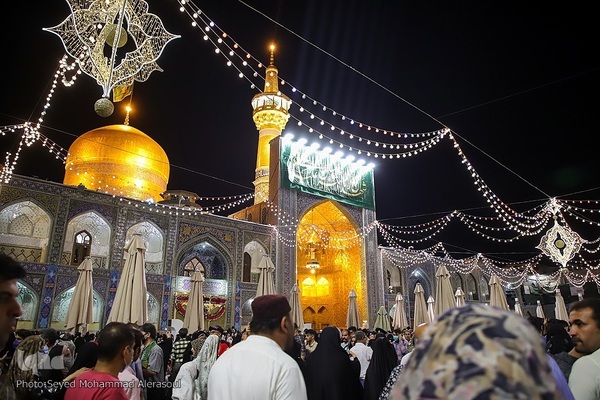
(192, 266)
(63, 301)
(312, 287)
(81, 247)
(153, 309)
(28, 300)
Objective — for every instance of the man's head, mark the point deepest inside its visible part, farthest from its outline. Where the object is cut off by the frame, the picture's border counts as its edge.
(216, 330)
(360, 337)
(345, 336)
(183, 332)
(50, 336)
(585, 325)
(310, 335)
(10, 310)
(271, 318)
(149, 332)
(116, 342)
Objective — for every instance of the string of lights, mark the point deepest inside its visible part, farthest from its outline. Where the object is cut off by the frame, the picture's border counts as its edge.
(528, 223)
(31, 132)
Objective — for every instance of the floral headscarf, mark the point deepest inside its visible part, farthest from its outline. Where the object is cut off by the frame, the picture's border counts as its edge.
(204, 362)
(478, 352)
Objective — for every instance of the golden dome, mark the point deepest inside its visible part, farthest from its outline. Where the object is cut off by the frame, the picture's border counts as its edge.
(120, 160)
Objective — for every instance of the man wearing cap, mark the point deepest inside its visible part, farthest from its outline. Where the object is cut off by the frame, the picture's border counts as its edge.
(258, 367)
(223, 345)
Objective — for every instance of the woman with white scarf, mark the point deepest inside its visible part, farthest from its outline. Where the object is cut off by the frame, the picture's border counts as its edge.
(192, 380)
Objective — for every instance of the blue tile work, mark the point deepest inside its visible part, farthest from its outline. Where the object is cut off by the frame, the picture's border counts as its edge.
(164, 315)
(238, 306)
(112, 291)
(47, 297)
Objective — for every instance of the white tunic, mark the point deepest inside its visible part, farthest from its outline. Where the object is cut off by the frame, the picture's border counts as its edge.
(256, 369)
(584, 379)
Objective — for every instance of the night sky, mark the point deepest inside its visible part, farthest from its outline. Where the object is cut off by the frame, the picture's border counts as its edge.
(515, 82)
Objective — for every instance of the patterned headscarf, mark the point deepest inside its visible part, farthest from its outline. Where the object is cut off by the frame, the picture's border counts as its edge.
(204, 362)
(197, 345)
(23, 367)
(478, 352)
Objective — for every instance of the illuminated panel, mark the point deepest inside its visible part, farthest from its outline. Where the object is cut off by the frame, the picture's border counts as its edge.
(322, 174)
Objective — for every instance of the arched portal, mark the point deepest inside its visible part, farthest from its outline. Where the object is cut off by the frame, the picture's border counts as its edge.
(329, 257)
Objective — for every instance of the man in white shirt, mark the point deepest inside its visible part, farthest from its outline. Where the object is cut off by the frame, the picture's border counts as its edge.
(584, 379)
(361, 351)
(258, 368)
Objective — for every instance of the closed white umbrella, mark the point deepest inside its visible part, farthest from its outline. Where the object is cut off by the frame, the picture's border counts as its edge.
(539, 310)
(130, 303)
(400, 320)
(444, 295)
(421, 315)
(460, 297)
(194, 313)
(80, 312)
(497, 295)
(265, 279)
(352, 318)
(560, 309)
(431, 309)
(518, 308)
(296, 313)
(383, 320)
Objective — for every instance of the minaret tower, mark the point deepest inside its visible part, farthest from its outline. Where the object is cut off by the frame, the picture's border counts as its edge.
(270, 116)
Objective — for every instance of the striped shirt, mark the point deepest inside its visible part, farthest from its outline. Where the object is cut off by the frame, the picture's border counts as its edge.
(178, 350)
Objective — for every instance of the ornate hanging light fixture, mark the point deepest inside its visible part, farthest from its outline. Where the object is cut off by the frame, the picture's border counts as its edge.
(560, 243)
(103, 27)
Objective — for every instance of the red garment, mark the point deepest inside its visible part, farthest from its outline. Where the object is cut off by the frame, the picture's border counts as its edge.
(92, 385)
(222, 347)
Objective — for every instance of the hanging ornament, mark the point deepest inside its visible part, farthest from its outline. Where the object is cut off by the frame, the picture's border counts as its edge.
(104, 107)
(93, 34)
(560, 243)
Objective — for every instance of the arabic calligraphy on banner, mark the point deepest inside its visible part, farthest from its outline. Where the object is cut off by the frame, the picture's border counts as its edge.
(320, 173)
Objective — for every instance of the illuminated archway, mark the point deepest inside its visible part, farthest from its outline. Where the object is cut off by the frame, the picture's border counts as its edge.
(329, 256)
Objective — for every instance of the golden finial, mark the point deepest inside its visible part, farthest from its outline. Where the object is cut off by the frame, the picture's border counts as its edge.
(272, 60)
(128, 109)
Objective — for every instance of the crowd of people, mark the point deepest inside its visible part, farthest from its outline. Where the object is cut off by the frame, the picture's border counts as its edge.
(469, 352)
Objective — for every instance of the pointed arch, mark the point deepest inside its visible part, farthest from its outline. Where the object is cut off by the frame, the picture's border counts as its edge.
(193, 265)
(456, 280)
(98, 229)
(25, 228)
(29, 301)
(471, 289)
(216, 259)
(154, 239)
(329, 256)
(61, 306)
(253, 253)
(419, 276)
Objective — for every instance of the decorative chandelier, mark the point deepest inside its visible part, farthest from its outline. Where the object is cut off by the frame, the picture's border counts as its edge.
(312, 264)
(560, 243)
(99, 27)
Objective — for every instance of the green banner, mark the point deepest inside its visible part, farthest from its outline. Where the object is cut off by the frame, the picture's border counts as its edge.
(322, 174)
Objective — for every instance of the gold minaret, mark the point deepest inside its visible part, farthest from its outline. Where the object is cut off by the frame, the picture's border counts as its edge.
(270, 116)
